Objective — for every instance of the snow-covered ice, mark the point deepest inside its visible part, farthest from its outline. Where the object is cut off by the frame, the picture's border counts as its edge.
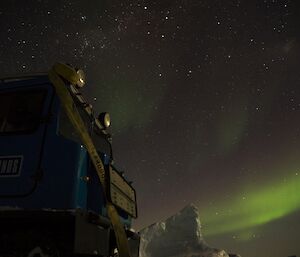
(178, 236)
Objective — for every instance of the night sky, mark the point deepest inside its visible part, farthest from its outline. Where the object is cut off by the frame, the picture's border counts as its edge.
(204, 98)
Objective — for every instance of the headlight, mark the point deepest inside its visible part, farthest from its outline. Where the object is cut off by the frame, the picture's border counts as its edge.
(104, 119)
(81, 78)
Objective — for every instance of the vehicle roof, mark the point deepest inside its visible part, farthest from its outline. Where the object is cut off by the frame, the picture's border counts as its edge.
(25, 79)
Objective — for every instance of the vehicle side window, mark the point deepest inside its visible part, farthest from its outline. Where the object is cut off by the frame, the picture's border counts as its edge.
(21, 111)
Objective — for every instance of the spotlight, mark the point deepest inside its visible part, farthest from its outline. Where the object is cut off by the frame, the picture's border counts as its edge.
(104, 119)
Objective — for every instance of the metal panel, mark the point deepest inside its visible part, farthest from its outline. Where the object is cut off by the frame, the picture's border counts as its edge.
(90, 238)
(10, 166)
(121, 193)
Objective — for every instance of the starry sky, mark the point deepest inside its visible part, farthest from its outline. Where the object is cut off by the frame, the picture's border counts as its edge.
(204, 98)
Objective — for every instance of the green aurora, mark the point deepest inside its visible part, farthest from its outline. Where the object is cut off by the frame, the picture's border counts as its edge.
(258, 207)
(127, 104)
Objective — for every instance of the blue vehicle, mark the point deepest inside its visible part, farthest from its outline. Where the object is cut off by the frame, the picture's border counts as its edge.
(51, 200)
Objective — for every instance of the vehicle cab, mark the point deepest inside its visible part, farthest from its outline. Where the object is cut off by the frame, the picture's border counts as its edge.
(48, 185)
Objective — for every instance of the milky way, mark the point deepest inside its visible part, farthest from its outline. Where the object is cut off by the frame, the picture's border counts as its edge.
(204, 99)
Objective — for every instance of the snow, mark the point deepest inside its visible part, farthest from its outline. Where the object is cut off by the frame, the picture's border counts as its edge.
(178, 236)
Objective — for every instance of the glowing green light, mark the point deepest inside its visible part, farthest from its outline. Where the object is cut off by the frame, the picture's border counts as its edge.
(232, 124)
(129, 105)
(257, 207)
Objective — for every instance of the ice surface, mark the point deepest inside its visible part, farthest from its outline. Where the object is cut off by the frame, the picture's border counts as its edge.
(178, 236)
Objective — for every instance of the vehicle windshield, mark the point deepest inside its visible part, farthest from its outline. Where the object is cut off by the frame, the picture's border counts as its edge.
(20, 111)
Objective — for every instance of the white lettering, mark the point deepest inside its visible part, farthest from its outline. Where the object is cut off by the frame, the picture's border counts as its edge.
(3, 167)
